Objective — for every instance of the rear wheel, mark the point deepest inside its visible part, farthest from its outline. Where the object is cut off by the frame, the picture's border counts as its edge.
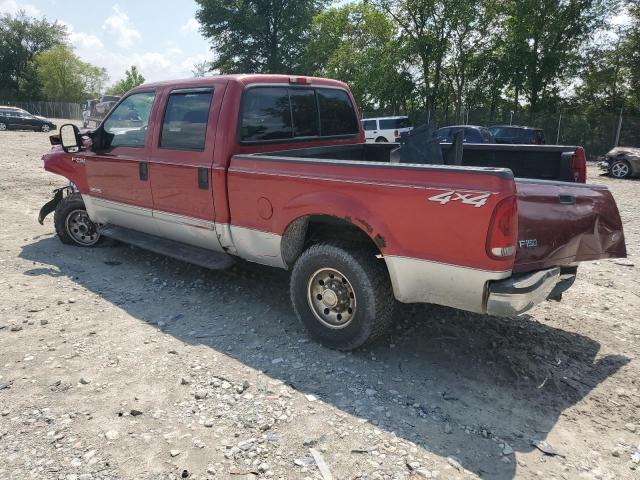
(3, 127)
(72, 222)
(620, 169)
(381, 139)
(342, 294)
(45, 128)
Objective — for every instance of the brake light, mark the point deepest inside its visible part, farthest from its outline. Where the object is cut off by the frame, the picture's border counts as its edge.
(579, 165)
(300, 80)
(396, 133)
(503, 230)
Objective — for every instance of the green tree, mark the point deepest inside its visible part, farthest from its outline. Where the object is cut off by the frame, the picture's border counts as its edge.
(357, 44)
(631, 55)
(21, 39)
(264, 36)
(132, 78)
(64, 77)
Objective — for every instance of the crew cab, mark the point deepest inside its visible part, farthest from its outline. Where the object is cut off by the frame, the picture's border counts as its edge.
(275, 170)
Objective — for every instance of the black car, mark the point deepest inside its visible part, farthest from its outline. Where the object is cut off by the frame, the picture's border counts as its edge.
(472, 134)
(517, 134)
(13, 118)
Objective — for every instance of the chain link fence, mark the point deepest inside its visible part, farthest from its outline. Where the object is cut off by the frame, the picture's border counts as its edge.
(596, 132)
(71, 111)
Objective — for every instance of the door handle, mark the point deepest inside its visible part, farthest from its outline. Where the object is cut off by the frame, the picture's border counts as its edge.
(144, 171)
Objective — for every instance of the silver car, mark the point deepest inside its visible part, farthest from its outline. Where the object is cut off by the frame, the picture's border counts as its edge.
(622, 162)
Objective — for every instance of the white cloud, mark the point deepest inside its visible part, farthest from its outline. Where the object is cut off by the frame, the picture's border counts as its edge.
(81, 40)
(119, 25)
(190, 26)
(12, 7)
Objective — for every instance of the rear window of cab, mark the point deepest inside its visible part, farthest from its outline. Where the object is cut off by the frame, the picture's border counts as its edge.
(289, 113)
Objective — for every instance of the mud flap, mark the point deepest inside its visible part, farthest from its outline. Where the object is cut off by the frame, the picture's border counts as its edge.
(51, 205)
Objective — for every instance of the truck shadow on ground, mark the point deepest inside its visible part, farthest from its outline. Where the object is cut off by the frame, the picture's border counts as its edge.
(458, 384)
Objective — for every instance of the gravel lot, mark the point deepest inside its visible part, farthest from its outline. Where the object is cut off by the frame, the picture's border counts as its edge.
(116, 363)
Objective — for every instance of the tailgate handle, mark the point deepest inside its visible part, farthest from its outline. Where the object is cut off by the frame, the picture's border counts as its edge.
(567, 199)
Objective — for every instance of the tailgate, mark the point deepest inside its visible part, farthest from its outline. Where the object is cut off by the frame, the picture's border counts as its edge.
(562, 223)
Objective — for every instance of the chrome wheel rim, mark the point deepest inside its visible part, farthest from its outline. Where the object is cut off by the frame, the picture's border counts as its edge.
(81, 228)
(331, 298)
(619, 170)
(45, 128)
(3, 126)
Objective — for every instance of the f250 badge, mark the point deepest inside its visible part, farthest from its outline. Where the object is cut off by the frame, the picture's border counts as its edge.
(476, 199)
(529, 243)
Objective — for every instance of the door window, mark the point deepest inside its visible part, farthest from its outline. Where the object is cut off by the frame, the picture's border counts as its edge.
(266, 114)
(185, 120)
(369, 125)
(129, 120)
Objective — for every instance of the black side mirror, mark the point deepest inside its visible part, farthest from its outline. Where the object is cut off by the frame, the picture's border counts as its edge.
(70, 138)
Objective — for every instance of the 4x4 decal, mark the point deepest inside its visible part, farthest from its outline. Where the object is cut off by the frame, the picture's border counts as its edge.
(475, 199)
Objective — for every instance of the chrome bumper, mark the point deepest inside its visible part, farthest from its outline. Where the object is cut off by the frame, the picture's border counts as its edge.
(515, 295)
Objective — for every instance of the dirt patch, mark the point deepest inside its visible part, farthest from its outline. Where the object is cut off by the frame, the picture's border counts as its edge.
(118, 363)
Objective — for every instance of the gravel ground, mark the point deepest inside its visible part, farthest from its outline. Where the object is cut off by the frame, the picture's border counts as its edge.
(116, 363)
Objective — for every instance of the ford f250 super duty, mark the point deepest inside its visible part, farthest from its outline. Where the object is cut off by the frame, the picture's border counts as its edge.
(274, 169)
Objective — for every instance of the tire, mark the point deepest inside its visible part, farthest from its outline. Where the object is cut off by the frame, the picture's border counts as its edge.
(45, 128)
(381, 140)
(73, 225)
(3, 127)
(620, 169)
(319, 300)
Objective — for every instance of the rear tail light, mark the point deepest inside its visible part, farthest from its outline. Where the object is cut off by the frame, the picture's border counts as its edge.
(579, 165)
(396, 133)
(503, 230)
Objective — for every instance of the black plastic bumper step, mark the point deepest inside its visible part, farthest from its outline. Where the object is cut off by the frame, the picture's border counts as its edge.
(178, 250)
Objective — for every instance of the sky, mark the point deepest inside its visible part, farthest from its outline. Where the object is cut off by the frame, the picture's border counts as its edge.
(160, 38)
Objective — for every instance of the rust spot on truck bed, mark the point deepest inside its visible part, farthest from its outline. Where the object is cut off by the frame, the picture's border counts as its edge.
(380, 241)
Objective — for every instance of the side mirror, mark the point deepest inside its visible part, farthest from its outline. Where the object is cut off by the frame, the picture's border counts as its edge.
(70, 138)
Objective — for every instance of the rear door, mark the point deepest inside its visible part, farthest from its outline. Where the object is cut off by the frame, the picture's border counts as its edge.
(118, 176)
(562, 223)
(180, 165)
(370, 129)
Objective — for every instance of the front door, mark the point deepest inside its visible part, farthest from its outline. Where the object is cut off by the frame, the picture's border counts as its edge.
(118, 176)
(180, 166)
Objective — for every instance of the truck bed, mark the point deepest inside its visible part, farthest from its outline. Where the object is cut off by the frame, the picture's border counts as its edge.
(542, 162)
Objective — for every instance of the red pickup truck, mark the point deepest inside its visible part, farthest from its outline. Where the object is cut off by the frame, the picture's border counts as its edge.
(275, 170)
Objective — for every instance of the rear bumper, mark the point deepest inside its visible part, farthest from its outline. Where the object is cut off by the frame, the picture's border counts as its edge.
(517, 294)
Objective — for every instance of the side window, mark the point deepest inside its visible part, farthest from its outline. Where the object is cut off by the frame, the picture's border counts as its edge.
(128, 121)
(337, 114)
(388, 124)
(369, 125)
(266, 114)
(185, 120)
(304, 109)
(471, 135)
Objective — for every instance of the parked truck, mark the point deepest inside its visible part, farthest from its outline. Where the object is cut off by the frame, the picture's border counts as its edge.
(275, 170)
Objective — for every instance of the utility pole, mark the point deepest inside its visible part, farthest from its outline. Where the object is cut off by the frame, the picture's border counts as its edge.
(559, 123)
(619, 128)
(511, 118)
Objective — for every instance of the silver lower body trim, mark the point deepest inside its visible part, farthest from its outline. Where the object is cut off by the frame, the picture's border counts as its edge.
(257, 246)
(422, 281)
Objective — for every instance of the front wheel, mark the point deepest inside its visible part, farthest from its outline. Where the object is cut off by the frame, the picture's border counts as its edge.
(342, 295)
(620, 169)
(72, 222)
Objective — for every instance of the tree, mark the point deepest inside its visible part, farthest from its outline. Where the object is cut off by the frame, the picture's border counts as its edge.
(357, 44)
(64, 77)
(264, 36)
(21, 39)
(132, 78)
(631, 55)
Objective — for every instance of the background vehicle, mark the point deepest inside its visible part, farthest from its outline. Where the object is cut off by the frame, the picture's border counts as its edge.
(385, 129)
(472, 134)
(96, 109)
(13, 118)
(274, 169)
(517, 134)
(622, 162)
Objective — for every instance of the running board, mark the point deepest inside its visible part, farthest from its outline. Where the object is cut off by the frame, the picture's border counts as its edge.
(178, 250)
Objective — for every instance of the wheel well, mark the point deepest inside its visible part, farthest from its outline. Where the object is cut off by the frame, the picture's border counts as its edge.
(310, 229)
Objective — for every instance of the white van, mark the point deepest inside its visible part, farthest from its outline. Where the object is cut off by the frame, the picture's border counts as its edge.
(385, 129)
